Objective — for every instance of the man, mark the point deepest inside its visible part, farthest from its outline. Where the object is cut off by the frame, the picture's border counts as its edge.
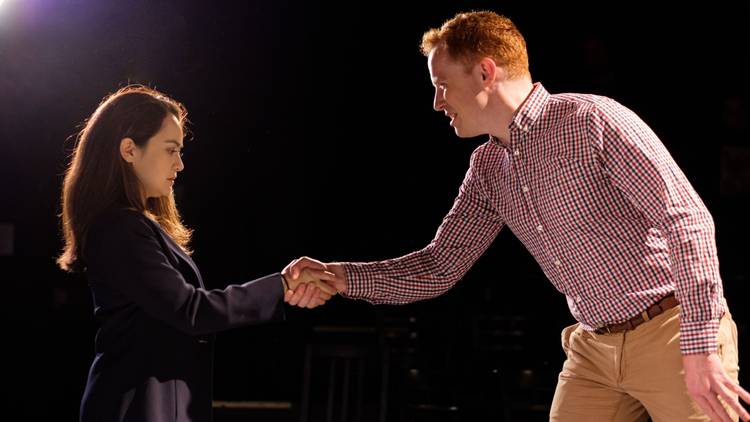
(613, 222)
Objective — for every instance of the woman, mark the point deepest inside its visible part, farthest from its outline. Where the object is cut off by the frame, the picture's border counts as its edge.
(154, 346)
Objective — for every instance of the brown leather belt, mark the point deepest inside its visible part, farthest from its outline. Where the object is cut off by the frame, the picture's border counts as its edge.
(662, 305)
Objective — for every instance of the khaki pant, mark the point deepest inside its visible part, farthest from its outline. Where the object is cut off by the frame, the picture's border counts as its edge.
(628, 376)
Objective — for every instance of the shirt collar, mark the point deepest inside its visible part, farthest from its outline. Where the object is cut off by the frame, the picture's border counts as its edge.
(529, 112)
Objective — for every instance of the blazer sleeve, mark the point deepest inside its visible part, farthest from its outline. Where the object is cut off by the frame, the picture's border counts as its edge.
(123, 251)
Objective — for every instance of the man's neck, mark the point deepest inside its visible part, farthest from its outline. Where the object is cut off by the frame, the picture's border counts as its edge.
(510, 95)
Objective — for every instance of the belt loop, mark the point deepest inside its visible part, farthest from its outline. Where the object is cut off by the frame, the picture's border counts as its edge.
(645, 316)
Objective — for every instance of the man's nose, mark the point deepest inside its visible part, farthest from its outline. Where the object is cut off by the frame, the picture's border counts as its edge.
(438, 102)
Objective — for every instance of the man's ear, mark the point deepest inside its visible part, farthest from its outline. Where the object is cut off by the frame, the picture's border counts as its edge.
(490, 71)
(127, 149)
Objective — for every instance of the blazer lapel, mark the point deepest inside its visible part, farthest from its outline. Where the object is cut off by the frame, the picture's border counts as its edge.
(177, 251)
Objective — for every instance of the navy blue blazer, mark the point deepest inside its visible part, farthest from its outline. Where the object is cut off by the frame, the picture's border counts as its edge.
(154, 345)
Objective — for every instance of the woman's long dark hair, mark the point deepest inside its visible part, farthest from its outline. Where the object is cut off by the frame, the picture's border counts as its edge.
(98, 178)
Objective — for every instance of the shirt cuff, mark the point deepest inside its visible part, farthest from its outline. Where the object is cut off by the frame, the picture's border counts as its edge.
(699, 337)
(360, 281)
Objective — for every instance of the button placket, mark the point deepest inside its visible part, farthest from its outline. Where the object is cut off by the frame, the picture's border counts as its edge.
(526, 198)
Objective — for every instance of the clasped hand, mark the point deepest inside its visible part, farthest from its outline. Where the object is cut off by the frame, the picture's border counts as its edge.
(312, 283)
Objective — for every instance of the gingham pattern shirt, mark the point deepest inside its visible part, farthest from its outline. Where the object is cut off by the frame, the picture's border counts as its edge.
(599, 202)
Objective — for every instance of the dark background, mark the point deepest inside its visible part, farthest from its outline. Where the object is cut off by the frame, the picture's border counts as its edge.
(313, 134)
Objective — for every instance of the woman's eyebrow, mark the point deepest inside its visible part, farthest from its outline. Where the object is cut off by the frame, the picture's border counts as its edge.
(170, 141)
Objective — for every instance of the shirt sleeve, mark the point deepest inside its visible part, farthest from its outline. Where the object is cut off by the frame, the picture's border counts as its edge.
(124, 253)
(463, 236)
(640, 166)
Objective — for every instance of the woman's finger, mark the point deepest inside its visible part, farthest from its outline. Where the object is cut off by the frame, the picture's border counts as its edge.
(299, 293)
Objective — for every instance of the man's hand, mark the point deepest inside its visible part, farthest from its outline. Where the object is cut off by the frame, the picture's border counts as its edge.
(308, 288)
(339, 281)
(706, 382)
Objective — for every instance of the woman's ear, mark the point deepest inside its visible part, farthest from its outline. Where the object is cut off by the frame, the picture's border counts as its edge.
(127, 149)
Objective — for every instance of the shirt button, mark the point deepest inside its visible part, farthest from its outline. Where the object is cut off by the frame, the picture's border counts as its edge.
(540, 228)
(557, 262)
(525, 188)
(578, 299)
(516, 152)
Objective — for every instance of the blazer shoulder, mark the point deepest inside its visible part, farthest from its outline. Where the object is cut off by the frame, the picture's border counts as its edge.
(120, 223)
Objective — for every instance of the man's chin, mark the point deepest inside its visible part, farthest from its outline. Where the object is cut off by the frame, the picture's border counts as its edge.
(464, 134)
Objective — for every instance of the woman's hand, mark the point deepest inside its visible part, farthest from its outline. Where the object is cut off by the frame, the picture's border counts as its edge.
(310, 288)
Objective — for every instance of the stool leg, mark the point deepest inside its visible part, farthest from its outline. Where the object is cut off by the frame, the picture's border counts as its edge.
(305, 405)
(331, 391)
(385, 371)
(345, 390)
(360, 388)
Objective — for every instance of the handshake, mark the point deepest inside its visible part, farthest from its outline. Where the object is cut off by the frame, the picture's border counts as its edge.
(312, 283)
